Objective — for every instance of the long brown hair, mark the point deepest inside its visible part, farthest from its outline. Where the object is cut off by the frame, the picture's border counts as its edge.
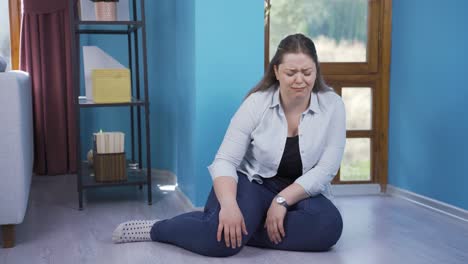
(297, 43)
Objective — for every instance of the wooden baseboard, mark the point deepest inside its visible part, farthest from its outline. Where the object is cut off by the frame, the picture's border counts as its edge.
(8, 236)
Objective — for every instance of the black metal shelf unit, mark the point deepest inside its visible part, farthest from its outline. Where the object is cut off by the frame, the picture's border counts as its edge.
(136, 176)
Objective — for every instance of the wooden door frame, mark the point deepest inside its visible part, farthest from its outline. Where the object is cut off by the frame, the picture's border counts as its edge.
(383, 104)
(375, 72)
(14, 9)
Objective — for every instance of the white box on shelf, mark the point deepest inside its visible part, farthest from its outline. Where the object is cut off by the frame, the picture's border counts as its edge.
(87, 12)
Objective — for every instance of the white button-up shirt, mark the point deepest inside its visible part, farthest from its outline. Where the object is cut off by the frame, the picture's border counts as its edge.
(255, 140)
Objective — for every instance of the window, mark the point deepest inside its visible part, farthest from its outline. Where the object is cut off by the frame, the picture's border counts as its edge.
(352, 38)
(338, 28)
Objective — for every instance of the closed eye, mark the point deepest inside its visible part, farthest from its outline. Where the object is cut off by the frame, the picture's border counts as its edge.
(292, 74)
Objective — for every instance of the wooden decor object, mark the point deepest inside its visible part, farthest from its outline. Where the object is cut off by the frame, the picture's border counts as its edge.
(110, 167)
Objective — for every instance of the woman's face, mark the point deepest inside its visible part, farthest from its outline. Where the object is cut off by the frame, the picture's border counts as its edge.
(296, 75)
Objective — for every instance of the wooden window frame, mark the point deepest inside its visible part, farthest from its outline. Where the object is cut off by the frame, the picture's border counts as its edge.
(372, 54)
(371, 134)
(14, 8)
(375, 73)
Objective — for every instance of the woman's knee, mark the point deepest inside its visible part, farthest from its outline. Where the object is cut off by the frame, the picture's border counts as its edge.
(329, 234)
(321, 232)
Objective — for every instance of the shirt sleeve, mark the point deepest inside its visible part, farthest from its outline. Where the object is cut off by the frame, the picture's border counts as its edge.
(236, 141)
(315, 180)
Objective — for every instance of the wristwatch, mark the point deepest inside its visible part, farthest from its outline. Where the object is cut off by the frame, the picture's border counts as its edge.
(281, 200)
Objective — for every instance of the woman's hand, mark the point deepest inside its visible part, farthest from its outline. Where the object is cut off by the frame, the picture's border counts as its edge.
(274, 222)
(232, 222)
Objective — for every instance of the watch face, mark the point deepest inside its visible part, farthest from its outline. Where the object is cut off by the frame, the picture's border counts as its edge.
(280, 199)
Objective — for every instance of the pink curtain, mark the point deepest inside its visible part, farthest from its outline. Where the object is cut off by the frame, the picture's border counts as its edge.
(45, 53)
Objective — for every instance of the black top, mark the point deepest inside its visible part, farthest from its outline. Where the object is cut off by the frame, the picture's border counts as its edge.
(290, 167)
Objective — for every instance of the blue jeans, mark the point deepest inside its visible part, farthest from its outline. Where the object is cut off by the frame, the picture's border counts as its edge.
(313, 224)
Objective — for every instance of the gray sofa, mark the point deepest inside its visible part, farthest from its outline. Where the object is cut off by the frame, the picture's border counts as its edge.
(16, 150)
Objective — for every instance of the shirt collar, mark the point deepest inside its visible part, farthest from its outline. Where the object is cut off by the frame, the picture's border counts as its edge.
(275, 100)
(313, 105)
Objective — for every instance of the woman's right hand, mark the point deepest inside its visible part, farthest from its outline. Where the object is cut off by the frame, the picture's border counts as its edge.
(232, 222)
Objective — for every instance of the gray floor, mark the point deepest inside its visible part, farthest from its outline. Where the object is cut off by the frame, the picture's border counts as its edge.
(377, 229)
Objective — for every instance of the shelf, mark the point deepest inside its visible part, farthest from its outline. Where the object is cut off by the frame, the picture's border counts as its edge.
(90, 22)
(88, 103)
(135, 177)
(139, 123)
(107, 27)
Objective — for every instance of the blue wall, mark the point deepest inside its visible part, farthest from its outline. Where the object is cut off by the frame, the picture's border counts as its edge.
(428, 145)
(161, 41)
(184, 100)
(228, 62)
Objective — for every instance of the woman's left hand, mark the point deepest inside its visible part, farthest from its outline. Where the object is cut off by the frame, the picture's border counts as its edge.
(274, 222)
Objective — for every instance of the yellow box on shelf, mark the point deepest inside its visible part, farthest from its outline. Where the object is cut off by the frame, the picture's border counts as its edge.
(111, 85)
